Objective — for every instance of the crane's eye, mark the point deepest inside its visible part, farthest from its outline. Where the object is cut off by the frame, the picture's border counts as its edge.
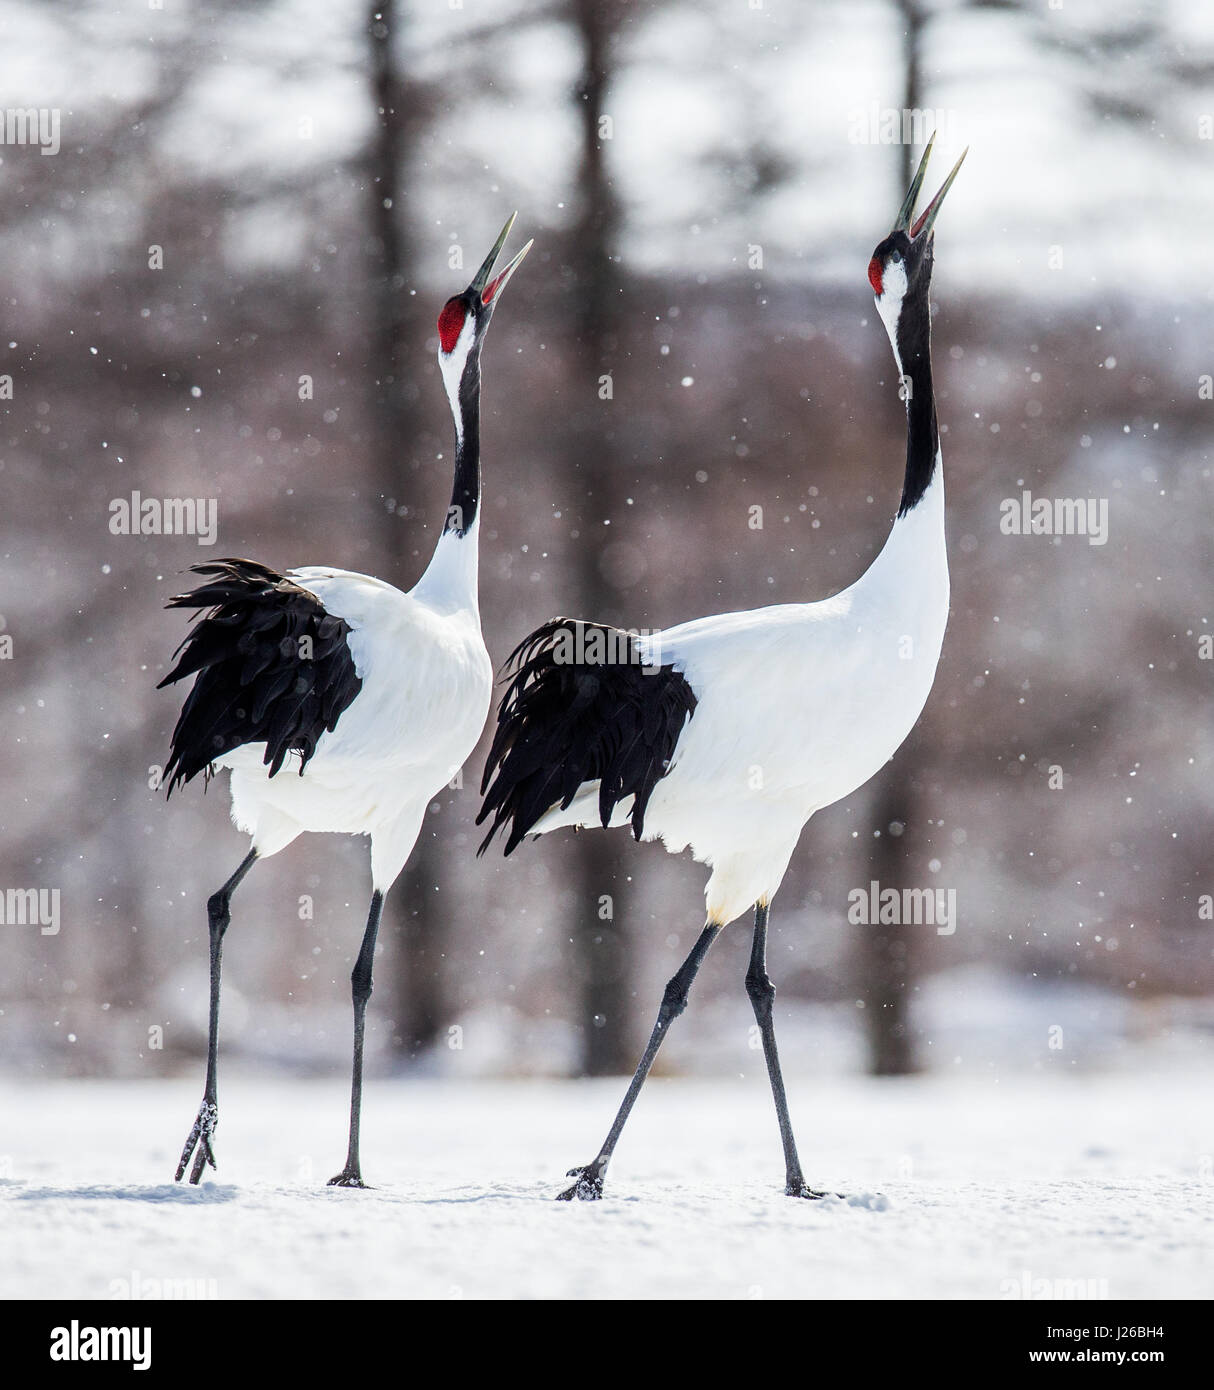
(896, 257)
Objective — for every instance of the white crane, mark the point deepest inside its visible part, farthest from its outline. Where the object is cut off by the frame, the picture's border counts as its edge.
(726, 734)
(339, 703)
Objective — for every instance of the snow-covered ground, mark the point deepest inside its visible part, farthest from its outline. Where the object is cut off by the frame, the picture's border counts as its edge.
(957, 1187)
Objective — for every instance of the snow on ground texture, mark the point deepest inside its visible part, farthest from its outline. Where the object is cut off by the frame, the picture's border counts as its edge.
(954, 1185)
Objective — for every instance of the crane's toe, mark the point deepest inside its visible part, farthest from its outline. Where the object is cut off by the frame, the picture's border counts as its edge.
(346, 1179)
(801, 1189)
(588, 1188)
(199, 1145)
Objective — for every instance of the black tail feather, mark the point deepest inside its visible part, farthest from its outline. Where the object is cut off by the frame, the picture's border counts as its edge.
(581, 706)
(271, 666)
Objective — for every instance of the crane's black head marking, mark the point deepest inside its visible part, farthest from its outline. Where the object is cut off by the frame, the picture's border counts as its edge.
(900, 256)
(902, 263)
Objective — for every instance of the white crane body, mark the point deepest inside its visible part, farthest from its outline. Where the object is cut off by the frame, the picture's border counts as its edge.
(725, 735)
(338, 703)
(426, 686)
(751, 765)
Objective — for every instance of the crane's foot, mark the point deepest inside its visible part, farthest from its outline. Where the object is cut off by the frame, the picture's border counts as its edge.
(798, 1188)
(346, 1178)
(589, 1185)
(200, 1145)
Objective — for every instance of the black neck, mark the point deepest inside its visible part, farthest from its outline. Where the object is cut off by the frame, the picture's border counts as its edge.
(466, 489)
(922, 435)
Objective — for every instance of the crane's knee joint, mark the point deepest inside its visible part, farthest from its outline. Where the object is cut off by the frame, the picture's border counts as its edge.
(360, 986)
(218, 914)
(674, 999)
(761, 990)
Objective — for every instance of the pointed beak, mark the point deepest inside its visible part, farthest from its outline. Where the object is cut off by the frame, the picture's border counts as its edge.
(488, 288)
(928, 215)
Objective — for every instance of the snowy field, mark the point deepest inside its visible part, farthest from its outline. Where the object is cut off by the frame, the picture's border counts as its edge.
(955, 1188)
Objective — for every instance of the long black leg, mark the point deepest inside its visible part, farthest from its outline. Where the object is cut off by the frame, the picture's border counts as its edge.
(589, 1185)
(203, 1133)
(762, 997)
(360, 985)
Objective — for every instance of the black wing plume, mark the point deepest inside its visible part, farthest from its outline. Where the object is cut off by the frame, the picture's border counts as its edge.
(256, 680)
(566, 720)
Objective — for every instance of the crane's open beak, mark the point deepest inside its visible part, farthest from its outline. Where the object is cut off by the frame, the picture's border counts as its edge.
(488, 289)
(928, 215)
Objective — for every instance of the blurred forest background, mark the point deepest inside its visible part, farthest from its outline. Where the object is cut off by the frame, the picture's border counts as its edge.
(704, 183)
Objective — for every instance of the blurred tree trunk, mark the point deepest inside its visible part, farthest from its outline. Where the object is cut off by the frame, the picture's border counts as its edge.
(886, 957)
(887, 961)
(396, 332)
(604, 896)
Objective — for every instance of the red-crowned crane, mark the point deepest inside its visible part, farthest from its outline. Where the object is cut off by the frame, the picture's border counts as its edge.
(339, 703)
(726, 734)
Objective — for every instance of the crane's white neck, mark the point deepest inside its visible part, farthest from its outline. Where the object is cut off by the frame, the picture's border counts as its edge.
(915, 546)
(451, 580)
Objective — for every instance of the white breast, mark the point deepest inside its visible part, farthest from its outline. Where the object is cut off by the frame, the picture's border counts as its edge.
(798, 706)
(426, 686)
